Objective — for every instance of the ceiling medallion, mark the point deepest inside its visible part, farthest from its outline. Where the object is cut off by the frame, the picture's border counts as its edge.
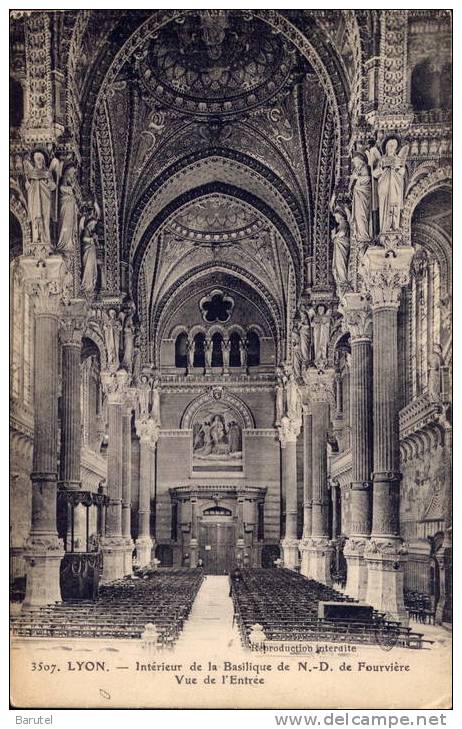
(215, 62)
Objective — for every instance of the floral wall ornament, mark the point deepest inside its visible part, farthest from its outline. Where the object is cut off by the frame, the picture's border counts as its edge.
(216, 306)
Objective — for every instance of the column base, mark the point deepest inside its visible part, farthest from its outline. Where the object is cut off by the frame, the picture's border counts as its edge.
(320, 558)
(114, 550)
(290, 553)
(356, 585)
(43, 557)
(384, 558)
(128, 559)
(305, 561)
(144, 547)
(193, 553)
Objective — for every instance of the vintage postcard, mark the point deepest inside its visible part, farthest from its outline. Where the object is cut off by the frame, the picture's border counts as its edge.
(231, 352)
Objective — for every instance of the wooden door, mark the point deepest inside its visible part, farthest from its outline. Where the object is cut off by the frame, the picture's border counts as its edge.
(217, 543)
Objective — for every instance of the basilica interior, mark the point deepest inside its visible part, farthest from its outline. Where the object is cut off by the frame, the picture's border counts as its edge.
(230, 279)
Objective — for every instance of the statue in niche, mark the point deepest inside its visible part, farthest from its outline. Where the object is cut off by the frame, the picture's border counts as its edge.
(226, 349)
(144, 393)
(112, 327)
(136, 361)
(280, 395)
(128, 337)
(191, 350)
(67, 211)
(208, 352)
(88, 240)
(294, 405)
(434, 375)
(155, 405)
(40, 184)
(243, 353)
(297, 357)
(361, 197)
(304, 330)
(340, 237)
(389, 170)
(321, 329)
(217, 436)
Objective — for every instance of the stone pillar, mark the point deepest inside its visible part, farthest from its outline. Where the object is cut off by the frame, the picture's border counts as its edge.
(113, 543)
(321, 393)
(240, 543)
(43, 549)
(148, 433)
(193, 542)
(288, 433)
(358, 322)
(127, 484)
(384, 273)
(307, 493)
(71, 339)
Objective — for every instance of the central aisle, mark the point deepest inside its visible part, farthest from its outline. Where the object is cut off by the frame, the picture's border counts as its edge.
(210, 623)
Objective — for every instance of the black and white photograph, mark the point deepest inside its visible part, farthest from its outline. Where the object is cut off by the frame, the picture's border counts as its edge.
(230, 371)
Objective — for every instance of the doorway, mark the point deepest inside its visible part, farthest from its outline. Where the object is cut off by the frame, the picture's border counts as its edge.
(217, 546)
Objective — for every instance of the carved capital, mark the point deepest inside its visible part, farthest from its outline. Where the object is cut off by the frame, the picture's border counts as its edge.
(289, 430)
(44, 280)
(320, 386)
(386, 548)
(115, 386)
(72, 327)
(356, 317)
(354, 547)
(384, 274)
(147, 431)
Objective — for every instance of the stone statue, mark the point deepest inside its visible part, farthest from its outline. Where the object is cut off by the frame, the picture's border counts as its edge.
(88, 240)
(304, 330)
(111, 328)
(155, 406)
(67, 220)
(297, 355)
(39, 186)
(144, 392)
(280, 396)
(243, 353)
(434, 375)
(321, 331)
(340, 237)
(361, 196)
(129, 337)
(226, 349)
(208, 352)
(136, 361)
(389, 170)
(191, 351)
(294, 405)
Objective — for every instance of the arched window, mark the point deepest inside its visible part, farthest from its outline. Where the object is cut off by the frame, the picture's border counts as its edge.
(234, 353)
(181, 350)
(217, 351)
(253, 349)
(199, 350)
(431, 87)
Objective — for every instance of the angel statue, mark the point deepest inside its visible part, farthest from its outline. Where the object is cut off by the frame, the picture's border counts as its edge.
(304, 329)
(320, 318)
(41, 182)
(89, 239)
(67, 218)
(129, 340)
(280, 395)
(361, 196)
(297, 357)
(340, 237)
(389, 170)
(112, 326)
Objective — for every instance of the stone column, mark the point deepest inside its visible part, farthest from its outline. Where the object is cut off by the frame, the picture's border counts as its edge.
(358, 322)
(307, 492)
(71, 340)
(288, 433)
(385, 272)
(43, 549)
(113, 544)
(240, 543)
(321, 393)
(127, 483)
(193, 542)
(148, 433)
